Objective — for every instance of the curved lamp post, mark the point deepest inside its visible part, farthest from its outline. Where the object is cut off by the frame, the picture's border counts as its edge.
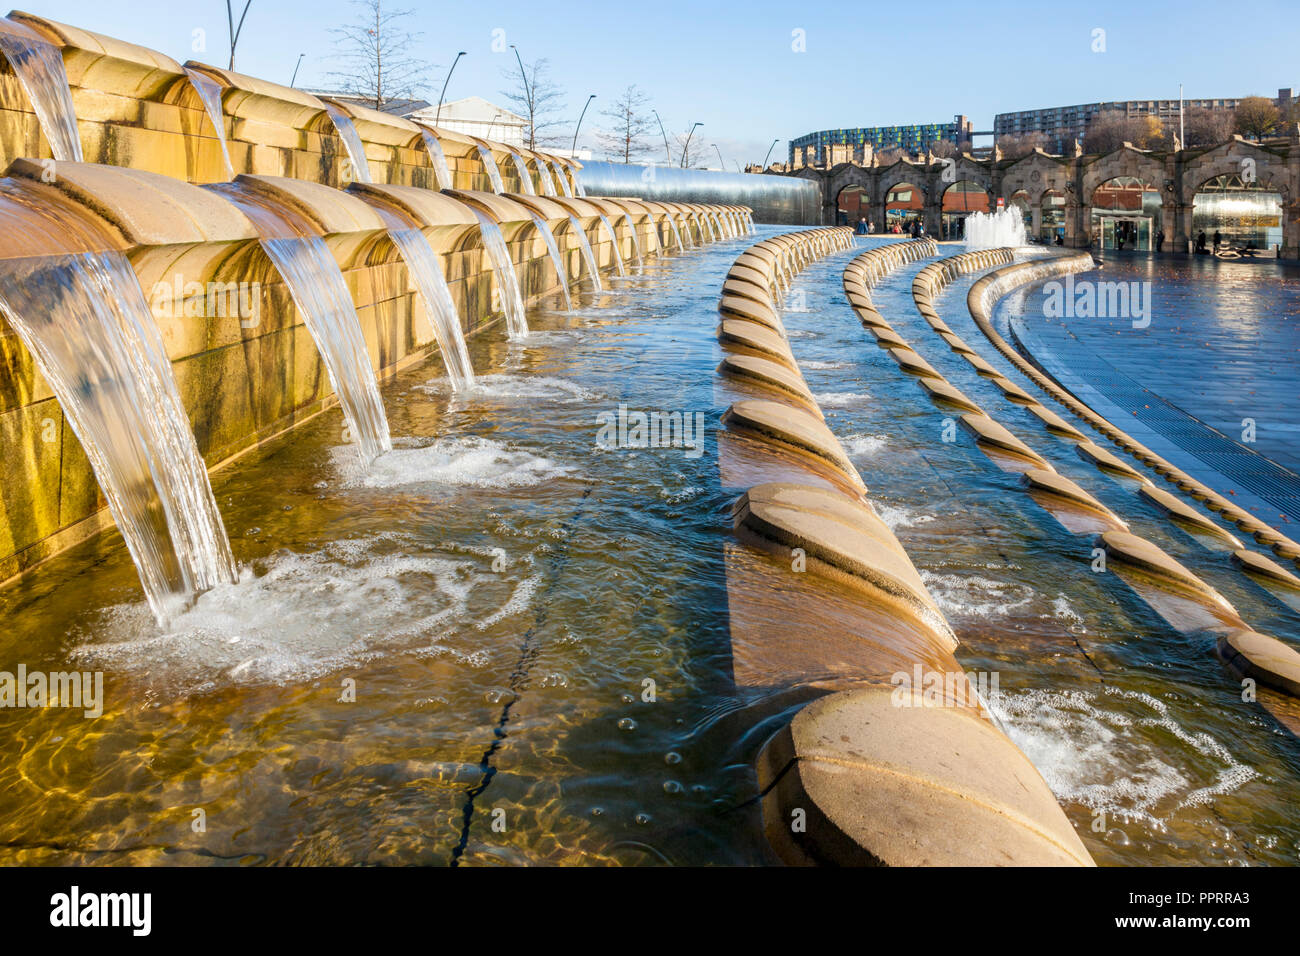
(769, 151)
(721, 162)
(438, 118)
(295, 70)
(667, 152)
(574, 148)
(687, 147)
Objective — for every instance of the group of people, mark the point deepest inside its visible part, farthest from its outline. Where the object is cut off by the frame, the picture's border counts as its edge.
(915, 228)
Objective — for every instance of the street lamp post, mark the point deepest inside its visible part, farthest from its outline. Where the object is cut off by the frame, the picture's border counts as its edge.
(667, 152)
(769, 151)
(528, 98)
(437, 119)
(295, 70)
(574, 148)
(721, 162)
(687, 147)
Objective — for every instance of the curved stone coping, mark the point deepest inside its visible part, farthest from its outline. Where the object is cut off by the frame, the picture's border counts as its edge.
(1262, 658)
(331, 211)
(848, 538)
(794, 428)
(943, 390)
(145, 209)
(747, 290)
(1180, 510)
(424, 206)
(769, 375)
(885, 779)
(992, 287)
(1256, 564)
(751, 310)
(497, 207)
(376, 126)
(747, 335)
(909, 361)
(106, 63)
(544, 206)
(989, 432)
(1058, 486)
(251, 98)
(1126, 549)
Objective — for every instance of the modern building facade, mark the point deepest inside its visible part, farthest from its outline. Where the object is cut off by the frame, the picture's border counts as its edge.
(475, 116)
(1062, 126)
(814, 149)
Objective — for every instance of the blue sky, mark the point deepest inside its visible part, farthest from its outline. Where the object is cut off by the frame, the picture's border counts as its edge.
(732, 66)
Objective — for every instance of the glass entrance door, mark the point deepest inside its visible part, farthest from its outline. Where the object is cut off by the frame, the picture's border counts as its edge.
(1127, 232)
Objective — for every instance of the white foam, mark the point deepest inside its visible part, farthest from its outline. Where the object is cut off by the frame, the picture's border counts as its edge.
(1110, 751)
(309, 615)
(801, 334)
(822, 366)
(840, 399)
(863, 445)
(507, 387)
(897, 516)
(970, 596)
(467, 461)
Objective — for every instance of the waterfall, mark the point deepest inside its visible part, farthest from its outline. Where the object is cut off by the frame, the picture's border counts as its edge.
(588, 256)
(320, 292)
(578, 188)
(677, 234)
(636, 241)
(563, 181)
(426, 272)
(210, 94)
(1006, 227)
(512, 300)
(525, 180)
(439, 159)
(493, 171)
(356, 149)
(686, 231)
(613, 236)
(560, 271)
(85, 321)
(544, 174)
(39, 66)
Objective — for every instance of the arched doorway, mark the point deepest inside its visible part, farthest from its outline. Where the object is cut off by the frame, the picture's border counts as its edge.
(1246, 215)
(852, 204)
(1126, 214)
(960, 200)
(903, 204)
(1052, 216)
(1020, 200)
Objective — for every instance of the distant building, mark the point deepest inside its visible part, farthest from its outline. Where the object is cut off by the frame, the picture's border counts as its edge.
(396, 107)
(474, 116)
(816, 149)
(1062, 126)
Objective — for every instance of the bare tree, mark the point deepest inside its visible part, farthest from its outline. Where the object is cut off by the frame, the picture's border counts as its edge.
(235, 28)
(629, 123)
(539, 99)
(1014, 147)
(1111, 129)
(687, 149)
(1206, 127)
(944, 148)
(890, 155)
(1257, 116)
(376, 52)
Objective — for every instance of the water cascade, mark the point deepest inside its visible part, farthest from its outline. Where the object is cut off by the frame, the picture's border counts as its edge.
(544, 229)
(356, 149)
(426, 272)
(613, 236)
(525, 180)
(439, 159)
(493, 171)
(210, 94)
(677, 233)
(85, 320)
(588, 256)
(544, 174)
(39, 66)
(996, 230)
(563, 181)
(636, 242)
(321, 294)
(512, 300)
